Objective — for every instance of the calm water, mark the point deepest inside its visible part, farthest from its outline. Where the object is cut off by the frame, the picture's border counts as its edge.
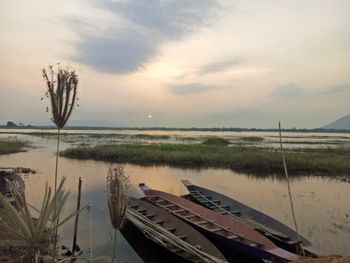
(322, 205)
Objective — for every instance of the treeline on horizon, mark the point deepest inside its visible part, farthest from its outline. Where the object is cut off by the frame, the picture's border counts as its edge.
(213, 129)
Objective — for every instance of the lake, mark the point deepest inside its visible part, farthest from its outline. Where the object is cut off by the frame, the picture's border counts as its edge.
(322, 204)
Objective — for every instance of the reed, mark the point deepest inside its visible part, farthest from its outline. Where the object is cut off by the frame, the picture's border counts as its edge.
(116, 199)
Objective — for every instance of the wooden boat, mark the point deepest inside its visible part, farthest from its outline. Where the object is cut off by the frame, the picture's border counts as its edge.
(229, 234)
(176, 227)
(276, 231)
(7, 178)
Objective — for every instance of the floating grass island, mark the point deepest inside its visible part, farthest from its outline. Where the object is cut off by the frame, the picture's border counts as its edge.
(12, 146)
(260, 161)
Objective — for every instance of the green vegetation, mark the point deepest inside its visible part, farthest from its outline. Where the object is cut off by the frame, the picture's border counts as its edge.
(252, 139)
(216, 141)
(243, 159)
(12, 146)
(34, 234)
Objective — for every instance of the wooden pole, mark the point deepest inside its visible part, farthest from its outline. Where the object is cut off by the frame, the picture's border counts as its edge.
(76, 220)
(289, 190)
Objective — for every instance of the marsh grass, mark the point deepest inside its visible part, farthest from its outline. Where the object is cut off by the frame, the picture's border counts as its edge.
(216, 141)
(251, 139)
(252, 160)
(150, 137)
(12, 146)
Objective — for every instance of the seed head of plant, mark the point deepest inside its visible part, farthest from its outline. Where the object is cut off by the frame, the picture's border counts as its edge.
(62, 91)
(116, 199)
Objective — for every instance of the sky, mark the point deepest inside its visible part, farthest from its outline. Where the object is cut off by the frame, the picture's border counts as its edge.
(180, 63)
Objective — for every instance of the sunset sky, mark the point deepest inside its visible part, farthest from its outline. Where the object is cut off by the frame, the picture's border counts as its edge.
(180, 63)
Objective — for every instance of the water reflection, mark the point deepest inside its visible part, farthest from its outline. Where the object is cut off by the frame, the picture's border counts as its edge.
(321, 204)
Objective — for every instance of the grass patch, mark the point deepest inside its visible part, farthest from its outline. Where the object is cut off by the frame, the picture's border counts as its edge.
(150, 137)
(216, 141)
(252, 139)
(241, 159)
(12, 146)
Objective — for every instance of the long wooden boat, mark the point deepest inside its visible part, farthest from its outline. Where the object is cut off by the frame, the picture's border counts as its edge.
(7, 178)
(177, 228)
(229, 234)
(276, 231)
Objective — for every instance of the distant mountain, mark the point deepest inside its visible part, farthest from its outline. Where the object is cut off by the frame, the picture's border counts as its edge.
(340, 124)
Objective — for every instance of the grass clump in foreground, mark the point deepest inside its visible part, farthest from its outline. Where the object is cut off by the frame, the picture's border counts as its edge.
(243, 159)
(216, 141)
(11, 146)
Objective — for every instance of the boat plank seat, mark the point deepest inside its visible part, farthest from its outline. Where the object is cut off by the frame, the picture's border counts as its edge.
(253, 244)
(191, 216)
(201, 222)
(162, 203)
(233, 237)
(154, 197)
(141, 210)
(176, 250)
(169, 205)
(294, 242)
(179, 210)
(215, 229)
(170, 229)
(183, 237)
(236, 213)
(159, 222)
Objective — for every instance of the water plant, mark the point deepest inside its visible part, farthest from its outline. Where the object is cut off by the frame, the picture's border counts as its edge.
(116, 199)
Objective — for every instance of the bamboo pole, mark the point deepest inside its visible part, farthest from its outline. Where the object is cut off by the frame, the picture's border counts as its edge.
(289, 190)
(76, 221)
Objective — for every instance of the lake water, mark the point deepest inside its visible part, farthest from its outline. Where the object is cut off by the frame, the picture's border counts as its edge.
(322, 204)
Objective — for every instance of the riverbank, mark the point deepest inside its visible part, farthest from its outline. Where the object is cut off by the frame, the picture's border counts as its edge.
(12, 146)
(259, 161)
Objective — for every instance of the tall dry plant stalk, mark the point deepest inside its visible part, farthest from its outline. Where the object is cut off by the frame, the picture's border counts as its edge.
(62, 91)
(117, 200)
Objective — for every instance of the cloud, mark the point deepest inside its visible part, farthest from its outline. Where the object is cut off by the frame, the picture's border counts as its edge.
(288, 90)
(191, 88)
(335, 89)
(119, 53)
(220, 66)
(169, 19)
(146, 26)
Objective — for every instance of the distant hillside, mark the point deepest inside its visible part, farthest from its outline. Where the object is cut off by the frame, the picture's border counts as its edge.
(340, 124)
